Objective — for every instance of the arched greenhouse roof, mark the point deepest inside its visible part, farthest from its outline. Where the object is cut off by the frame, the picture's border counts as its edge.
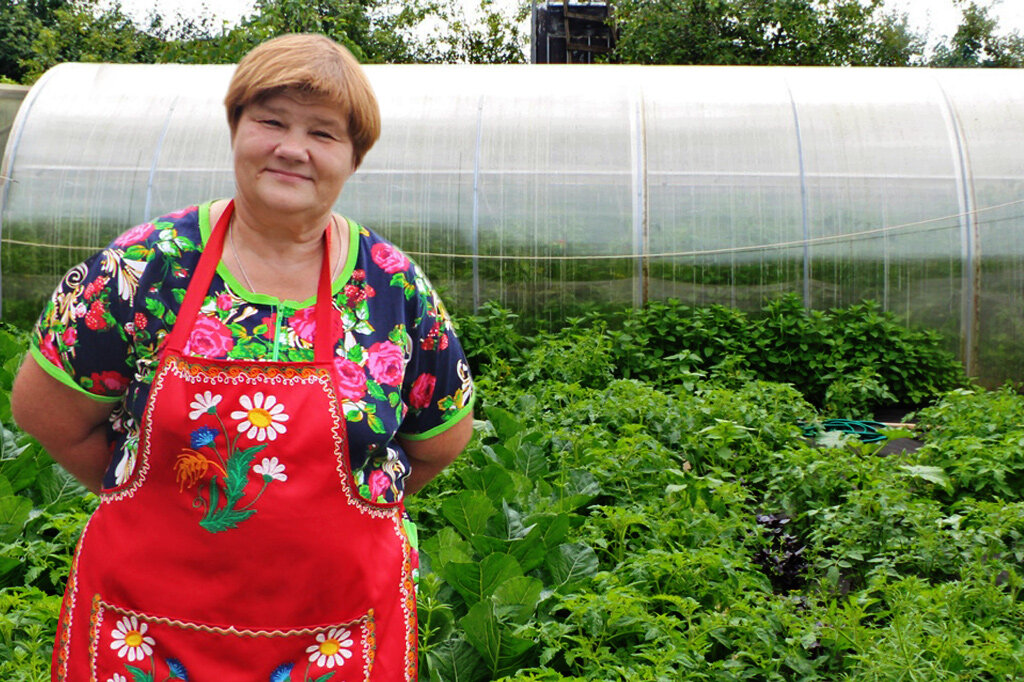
(557, 188)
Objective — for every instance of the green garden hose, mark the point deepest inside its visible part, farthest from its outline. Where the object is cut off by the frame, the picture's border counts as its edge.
(867, 431)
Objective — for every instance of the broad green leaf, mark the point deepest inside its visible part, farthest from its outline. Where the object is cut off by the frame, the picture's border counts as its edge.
(517, 598)
(60, 486)
(501, 650)
(580, 488)
(531, 460)
(570, 563)
(447, 545)
(476, 581)
(456, 661)
(14, 511)
(934, 475)
(492, 480)
(468, 512)
(552, 527)
(504, 423)
(499, 454)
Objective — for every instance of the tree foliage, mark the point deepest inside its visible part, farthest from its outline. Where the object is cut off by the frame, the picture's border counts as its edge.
(37, 34)
(977, 43)
(801, 32)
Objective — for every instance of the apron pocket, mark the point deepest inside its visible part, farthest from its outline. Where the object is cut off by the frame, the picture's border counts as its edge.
(130, 646)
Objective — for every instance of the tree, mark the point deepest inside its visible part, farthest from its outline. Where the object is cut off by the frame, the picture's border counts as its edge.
(975, 42)
(807, 32)
(79, 30)
(490, 36)
(20, 22)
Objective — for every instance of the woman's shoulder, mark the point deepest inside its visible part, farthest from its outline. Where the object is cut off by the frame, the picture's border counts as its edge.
(379, 257)
(171, 233)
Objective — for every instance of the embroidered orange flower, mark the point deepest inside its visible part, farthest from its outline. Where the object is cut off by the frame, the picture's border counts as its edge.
(190, 467)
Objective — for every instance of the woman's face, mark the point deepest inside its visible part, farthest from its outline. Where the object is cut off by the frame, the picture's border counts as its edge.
(292, 156)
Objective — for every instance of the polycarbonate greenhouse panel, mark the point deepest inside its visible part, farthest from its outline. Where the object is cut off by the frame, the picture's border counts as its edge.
(559, 189)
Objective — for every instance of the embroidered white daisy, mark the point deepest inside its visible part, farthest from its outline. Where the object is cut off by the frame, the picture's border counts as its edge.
(270, 468)
(118, 677)
(203, 403)
(333, 648)
(261, 419)
(130, 639)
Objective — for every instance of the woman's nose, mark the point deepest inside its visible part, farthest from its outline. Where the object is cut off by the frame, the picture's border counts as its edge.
(292, 146)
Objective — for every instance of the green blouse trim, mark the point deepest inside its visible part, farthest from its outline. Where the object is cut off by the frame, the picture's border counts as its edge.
(263, 299)
(443, 426)
(65, 378)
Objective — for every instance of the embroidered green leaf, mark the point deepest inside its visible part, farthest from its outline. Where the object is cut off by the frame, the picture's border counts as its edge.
(355, 354)
(139, 675)
(218, 520)
(238, 472)
(324, 678)
(136, 252)
(374, 389)
(394, 398)
(398, 280)
(155, 307)
(375, 424)
(398, 336)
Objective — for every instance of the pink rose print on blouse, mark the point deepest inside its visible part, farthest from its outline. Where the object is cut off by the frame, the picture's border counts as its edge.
(136, 235)
(390, 259)
(180, 214)
(270, 322)
(422, 391)
(386, 363)
(303, 323)
(351, 379)
(210, 338)
(69, 337)
(108, 383)
(378, 483)
(224, 302)
(49, 349)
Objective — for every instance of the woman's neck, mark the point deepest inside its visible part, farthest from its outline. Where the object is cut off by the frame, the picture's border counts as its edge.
(279, 260)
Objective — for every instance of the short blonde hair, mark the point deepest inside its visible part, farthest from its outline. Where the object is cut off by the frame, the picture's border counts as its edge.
(314, 66)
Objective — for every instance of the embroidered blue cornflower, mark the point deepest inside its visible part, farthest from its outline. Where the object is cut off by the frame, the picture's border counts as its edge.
(282, 673)
(204, 435)
(178, 671)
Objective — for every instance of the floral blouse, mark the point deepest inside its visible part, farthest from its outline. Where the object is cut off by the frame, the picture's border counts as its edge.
(400, 367)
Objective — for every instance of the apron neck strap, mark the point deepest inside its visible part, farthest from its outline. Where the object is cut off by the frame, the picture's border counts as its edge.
(323, 338)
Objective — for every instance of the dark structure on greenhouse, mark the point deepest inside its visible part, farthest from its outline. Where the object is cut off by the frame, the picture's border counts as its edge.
(570, 33)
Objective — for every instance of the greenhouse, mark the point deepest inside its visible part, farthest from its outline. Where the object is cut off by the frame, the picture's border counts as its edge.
(561, 189)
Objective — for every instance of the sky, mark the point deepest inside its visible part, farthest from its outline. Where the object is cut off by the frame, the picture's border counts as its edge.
(938, 17)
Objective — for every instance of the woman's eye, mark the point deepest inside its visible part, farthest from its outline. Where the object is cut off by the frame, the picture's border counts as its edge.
(321, 133)
(271, 122)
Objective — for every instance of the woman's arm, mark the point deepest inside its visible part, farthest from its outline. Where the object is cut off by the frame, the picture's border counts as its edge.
(71, 426)
(429, 457)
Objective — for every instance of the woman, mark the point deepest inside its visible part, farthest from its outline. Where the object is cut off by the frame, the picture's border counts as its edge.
(252, 386)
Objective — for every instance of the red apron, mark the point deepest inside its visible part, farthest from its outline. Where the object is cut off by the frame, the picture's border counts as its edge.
(240, 549)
